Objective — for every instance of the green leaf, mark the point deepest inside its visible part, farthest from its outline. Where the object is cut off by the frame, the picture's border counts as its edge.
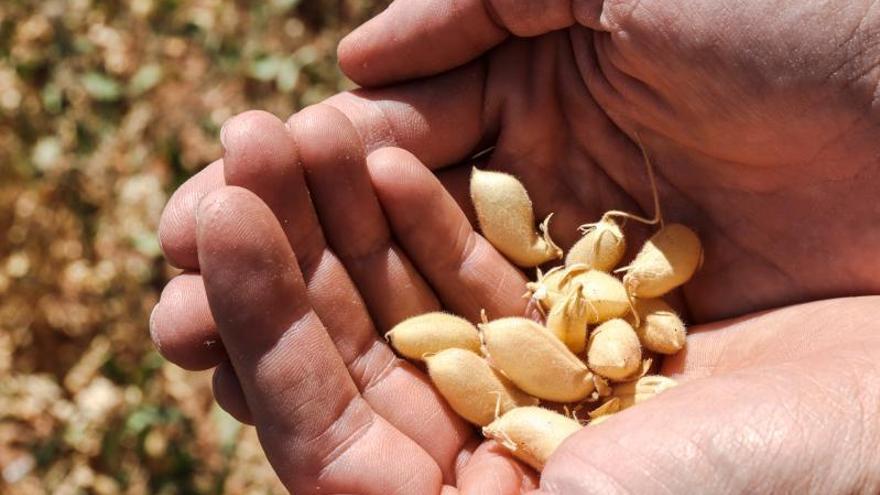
(147, 244)
(265, 68)
(52, 98)
(283, 5)
(141, 419)
(145, 79)
(288, 75)
(101, 87)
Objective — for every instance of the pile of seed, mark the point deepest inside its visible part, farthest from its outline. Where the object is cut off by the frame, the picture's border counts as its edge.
(525, 381)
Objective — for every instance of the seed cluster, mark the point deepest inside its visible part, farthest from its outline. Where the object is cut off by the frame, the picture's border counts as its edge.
(525, 382)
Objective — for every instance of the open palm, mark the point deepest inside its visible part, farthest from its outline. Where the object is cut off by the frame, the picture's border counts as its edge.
(751, 124)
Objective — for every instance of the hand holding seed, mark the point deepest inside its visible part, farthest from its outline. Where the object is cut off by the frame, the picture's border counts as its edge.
(525, 359)
(346, 238)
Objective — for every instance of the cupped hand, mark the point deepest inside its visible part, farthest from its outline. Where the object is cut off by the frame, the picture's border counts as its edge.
(770, 403)
(783, 401)
(760, 125)
(761, 118)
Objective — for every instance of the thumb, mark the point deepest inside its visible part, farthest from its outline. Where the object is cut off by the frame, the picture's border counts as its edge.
(414, 38)
(766, 402)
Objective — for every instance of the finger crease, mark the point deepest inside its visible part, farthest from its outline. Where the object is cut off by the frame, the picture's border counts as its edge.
(360, 366)
(343, 446)
(365, 255)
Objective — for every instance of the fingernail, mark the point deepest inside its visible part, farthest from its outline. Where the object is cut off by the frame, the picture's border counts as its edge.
(154, 334)
(223, 135)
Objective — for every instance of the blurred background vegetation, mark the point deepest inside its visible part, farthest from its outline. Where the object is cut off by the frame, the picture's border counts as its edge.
(106, 106)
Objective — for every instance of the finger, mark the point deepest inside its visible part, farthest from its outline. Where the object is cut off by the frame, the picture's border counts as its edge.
(441, 121)
(769, 337)
(317, 431)
(771, 422)
(261, 157)
(182, 327)
(464, 269)
(229, 395)
(492, 470)
(764, 411)
(648, 437)
(415, 38)
(177, 226)
(457, 180)
(352, 218)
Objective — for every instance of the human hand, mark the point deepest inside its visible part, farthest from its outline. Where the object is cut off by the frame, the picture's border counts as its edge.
(556, 130)
(772, 403)
(783, 401)
(302, 355)
(760, 117)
